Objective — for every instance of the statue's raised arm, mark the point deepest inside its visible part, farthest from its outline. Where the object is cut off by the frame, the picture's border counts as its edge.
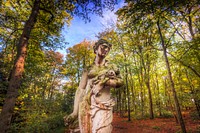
(70, 120)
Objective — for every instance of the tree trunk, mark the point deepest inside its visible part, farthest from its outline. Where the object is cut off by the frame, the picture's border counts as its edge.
(167, 97)
(171, 107)
(178, 111)
(124, 105)
(147, 80)
(120, 102)
(141, 95)
(150, 100)
(18, 69)
(132, 91)
(197, 104)
(158, 94)
(128, 94)
(190, 22)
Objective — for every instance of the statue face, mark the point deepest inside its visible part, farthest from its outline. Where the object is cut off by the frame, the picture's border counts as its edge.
(103, 50)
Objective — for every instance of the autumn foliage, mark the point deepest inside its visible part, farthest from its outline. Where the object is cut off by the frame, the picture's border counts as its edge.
(155, 46)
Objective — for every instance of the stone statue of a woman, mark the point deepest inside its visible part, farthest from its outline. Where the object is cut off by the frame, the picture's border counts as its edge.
(93, 103)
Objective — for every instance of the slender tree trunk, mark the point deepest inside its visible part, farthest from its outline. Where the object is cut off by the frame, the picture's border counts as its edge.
(141, 96)
(190, 23)
(126, 87)
(51, 88)
(158, 89)
(194, 94)
(133, 98)
(167, 101)
(177, 106)
(150, 100)
(128, 96)
(44, 88)
(180, 95)
(132, 90)
(124, 105)
(17, 71)
(120, 103)
(140, 93)
(140, 80)
(149, 90)
(147, 80)
(171, 107)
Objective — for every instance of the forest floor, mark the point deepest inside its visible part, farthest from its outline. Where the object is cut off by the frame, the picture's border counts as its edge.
(157, 125)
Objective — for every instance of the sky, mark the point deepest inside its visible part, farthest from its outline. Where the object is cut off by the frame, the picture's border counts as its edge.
(79, 30)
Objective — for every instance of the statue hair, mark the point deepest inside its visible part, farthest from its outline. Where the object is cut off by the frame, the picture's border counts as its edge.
(101, 41)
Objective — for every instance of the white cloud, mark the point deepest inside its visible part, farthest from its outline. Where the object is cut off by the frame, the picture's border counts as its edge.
(79, 30)
(109, 19)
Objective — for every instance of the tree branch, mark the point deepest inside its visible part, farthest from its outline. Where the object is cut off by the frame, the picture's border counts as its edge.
(188, 66)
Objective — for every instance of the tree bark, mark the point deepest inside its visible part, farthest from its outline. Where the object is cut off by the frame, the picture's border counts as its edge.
(141, 95)
(124, 97)
(190, 22)
(128, 94)
(127, 85)
(158, 94)
(150, 100)
(147, 80)
(18, 69)
(120, 102)
(177, 106)
(132, 91)
(194, 93)
(141, 80)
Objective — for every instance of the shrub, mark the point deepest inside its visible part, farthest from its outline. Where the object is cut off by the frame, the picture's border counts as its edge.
(194, 115)
(39, 124)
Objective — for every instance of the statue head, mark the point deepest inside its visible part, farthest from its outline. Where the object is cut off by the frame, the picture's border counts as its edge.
(101, 42)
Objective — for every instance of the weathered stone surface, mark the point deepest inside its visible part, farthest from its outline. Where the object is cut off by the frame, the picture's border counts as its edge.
(93, 104)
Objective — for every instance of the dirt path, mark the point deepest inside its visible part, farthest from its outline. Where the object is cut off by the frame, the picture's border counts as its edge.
(157, 125)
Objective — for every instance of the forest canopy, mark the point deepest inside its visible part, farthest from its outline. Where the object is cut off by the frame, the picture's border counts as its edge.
(156, 46)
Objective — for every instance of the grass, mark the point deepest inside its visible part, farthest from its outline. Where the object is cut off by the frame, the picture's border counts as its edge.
(156, 128)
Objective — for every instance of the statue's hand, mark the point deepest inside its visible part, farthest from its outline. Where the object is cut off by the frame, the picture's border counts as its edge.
(111, 74)
(112, 82)
(70, 119)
